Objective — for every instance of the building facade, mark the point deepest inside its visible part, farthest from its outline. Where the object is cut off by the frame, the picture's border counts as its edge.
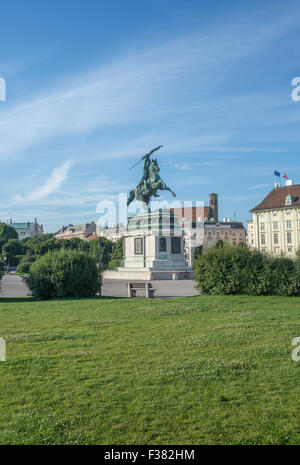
(275, 224)
(81, 231)
(208, 233)
(27, 229)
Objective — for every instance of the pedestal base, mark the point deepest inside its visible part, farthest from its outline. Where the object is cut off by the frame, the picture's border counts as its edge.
(147, 275)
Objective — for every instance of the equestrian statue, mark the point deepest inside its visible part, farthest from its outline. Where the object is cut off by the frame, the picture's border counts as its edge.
(150, 183)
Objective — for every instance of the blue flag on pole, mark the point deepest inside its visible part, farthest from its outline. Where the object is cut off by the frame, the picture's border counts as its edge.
(276, 173)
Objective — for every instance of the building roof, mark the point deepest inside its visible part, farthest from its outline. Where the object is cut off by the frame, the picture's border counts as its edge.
(277, 197)
(22, 225)
(222, 224)
(91, 237)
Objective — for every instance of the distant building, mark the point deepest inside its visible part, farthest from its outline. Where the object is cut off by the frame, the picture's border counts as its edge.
(201, 226)
(113, 233)
(232, 232)
(81, 231)
(275, 224)
(192, 214)
(208, 233)
(27, 229)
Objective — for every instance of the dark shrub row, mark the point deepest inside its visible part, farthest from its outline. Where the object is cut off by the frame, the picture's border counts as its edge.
(226, 269)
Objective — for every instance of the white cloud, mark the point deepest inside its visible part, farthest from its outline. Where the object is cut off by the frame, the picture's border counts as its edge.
(57, 177)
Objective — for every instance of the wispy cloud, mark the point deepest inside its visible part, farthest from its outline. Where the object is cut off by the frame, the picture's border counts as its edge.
(128, 91)
(193, 165)
(259, 186)
(57, 177)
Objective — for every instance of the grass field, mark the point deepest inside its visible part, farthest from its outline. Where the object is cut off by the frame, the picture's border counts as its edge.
(199, 370)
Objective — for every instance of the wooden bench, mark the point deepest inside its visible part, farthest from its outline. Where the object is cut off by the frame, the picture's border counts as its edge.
(134, 287)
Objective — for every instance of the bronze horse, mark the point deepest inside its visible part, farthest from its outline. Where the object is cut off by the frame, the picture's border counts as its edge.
(150, 183)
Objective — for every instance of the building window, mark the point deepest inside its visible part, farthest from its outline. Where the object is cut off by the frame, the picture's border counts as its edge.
(176, 245)
(162, 244)
(275, 225)
(290, 249)
(289, 238)
(262, 226)
(274, 214)
(288, 224)
(288, 213)
(263, 239)
(275, 238)
(288, 200)
(138, 246)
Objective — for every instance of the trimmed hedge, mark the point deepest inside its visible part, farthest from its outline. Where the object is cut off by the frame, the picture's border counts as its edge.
(64, 273)
(237, 270)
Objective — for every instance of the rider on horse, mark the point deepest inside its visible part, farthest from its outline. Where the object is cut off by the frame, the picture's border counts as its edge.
(150, 183)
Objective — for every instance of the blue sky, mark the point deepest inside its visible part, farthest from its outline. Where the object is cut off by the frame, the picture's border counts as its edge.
(92, 85)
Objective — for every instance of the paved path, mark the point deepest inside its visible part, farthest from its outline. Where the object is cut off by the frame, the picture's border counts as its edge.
(14, 286)
(164, 288)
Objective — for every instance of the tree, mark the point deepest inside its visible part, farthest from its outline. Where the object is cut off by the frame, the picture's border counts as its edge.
(117, 255)
(10, 250)
(6, 232)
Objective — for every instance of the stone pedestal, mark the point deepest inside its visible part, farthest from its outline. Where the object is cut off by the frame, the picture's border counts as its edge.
(153, 249)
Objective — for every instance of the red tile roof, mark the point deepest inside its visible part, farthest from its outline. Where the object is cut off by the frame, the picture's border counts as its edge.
(276, 198)
(91, 237)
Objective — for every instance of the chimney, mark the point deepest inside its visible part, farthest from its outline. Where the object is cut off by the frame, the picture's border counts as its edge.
(213, 206)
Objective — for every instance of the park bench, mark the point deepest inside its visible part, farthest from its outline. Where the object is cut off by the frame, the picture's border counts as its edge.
(134, 287)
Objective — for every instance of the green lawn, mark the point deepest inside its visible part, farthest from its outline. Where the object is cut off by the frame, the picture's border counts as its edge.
(199, 370)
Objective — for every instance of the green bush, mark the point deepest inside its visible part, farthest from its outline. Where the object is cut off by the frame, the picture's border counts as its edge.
(237, 270)
(24, 267)
(217, 271)
(64, 273)
(255, 272)
(285, 277)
